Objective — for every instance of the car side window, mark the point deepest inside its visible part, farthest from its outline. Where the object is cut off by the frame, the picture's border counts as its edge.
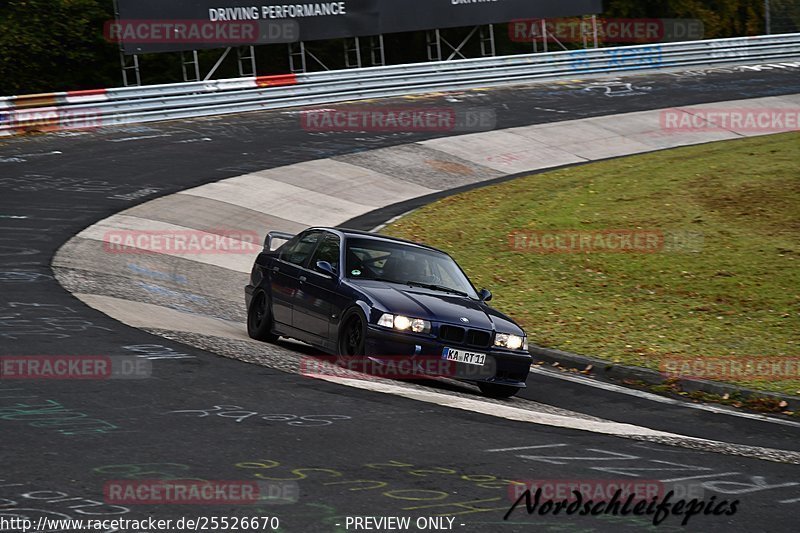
(328, 250)
(298, 251)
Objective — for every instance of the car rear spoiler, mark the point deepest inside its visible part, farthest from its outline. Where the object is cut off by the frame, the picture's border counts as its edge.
(276, 236)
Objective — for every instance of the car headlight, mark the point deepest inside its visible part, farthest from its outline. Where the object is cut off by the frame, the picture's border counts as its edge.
(512, 342)
(404, 323)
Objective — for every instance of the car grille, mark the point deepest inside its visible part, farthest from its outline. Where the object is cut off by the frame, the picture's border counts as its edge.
(476, 337)
(451, 334)
(469, 337)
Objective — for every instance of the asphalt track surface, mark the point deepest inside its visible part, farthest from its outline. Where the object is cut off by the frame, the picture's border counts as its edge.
(350, 452)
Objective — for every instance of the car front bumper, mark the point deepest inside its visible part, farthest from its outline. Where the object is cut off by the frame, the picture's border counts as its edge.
(502, 367)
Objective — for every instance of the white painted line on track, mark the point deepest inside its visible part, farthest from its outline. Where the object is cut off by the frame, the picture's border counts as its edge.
(190, 141)
(41, 154)
(520, 448)
(22, 158)
(502, 411)
(661, 399)
(140, 138)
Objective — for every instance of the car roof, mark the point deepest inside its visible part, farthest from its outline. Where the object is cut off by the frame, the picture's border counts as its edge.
(345, 232)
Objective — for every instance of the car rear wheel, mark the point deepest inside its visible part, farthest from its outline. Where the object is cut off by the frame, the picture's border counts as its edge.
(259, 319)
(352, 335)
(492, 390)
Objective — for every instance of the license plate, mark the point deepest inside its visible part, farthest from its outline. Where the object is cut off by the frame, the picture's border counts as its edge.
(461, 356)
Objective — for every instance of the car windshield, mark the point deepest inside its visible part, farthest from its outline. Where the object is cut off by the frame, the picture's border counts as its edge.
(372, 259)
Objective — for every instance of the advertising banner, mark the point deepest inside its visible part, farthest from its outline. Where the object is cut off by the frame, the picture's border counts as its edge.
(158, 26)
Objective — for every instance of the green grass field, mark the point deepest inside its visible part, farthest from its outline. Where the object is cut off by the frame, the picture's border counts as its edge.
(734, 291)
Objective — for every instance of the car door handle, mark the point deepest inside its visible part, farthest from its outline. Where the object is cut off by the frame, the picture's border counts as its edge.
(276, 269)
(302, 279)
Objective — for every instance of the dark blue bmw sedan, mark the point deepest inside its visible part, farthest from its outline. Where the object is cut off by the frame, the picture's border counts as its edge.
(360, 295)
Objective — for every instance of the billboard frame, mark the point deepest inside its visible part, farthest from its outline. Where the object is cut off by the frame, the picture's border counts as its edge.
(299, 54)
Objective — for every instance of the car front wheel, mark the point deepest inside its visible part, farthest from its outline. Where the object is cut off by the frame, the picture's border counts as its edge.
(352, 335)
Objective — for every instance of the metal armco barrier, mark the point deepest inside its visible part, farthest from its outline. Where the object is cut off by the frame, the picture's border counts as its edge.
(108, 107)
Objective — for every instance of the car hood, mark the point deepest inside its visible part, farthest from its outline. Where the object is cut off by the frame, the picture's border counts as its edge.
(436, 306)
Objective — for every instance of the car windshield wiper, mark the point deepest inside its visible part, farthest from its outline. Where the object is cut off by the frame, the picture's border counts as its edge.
(435, 287)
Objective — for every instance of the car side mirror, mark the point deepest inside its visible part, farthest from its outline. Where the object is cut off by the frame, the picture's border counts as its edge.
(326, 268)
(485, 295)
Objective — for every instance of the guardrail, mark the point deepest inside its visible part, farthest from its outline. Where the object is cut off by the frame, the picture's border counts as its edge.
(104, 107)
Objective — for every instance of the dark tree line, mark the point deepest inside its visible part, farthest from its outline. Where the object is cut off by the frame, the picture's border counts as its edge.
(52, 45)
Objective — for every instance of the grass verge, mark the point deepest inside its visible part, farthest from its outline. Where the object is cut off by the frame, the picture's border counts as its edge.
(725, 283)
